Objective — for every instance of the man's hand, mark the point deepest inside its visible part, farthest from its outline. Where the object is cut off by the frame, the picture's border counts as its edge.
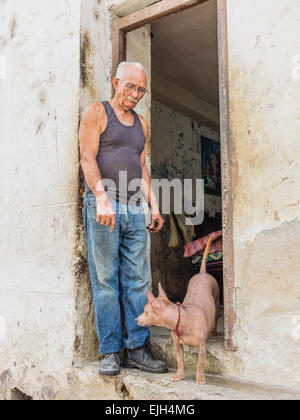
(105, 212)
(157, 223)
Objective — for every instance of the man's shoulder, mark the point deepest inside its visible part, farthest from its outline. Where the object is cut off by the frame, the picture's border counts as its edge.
(95, 111)
(95, 107)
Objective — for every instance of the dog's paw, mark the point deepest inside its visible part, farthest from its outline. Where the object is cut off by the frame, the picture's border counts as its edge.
(178, 377)
(201, 380)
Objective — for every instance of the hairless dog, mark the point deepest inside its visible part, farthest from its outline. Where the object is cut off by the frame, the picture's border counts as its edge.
(190, 323)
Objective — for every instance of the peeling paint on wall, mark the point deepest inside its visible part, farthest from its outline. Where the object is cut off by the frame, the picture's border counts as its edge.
(41, 102)
(87, 70)
(265, 124)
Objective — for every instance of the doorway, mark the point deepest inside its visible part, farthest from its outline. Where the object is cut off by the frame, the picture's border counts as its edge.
(208, 118)
(185, 141)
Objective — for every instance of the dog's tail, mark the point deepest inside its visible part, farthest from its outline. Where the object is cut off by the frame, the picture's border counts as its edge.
(206, 253)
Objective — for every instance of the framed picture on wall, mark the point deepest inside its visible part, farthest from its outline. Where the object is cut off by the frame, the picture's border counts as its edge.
(211, 166)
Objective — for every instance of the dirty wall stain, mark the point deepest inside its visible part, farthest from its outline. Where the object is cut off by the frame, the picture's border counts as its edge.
(87, 69)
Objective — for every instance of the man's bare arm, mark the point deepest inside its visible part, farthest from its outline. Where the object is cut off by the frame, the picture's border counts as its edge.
(89, 138)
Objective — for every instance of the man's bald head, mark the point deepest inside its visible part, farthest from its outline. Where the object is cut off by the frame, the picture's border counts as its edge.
(127, 66)
(130, 84)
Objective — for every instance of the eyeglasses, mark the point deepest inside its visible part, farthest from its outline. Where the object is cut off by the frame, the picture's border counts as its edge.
(130, 88)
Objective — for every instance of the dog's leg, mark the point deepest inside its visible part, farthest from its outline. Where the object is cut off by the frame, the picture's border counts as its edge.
(214, 332)
(200, 376)
(180, 359)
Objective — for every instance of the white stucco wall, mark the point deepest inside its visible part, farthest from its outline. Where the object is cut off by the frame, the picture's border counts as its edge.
(264, 37)
(57, 58)
(39, 98)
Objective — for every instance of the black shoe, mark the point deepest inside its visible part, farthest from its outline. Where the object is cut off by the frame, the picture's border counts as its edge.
(142, 359)
(110, 365)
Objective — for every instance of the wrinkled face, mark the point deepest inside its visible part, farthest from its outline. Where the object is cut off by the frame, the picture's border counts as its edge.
(131, 89)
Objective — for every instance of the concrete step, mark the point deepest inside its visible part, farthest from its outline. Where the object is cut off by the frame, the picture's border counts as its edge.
(86, 384)
(217, 356)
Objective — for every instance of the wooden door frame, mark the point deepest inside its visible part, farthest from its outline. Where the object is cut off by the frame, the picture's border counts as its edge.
(154, 13)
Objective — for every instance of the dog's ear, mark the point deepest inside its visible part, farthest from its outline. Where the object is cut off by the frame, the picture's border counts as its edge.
(152, 300)
(162, 293)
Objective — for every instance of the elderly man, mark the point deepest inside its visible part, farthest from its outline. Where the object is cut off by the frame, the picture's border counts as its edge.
(113, 159)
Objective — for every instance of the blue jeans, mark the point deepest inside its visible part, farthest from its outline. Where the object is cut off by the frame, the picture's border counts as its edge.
(119, 272)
